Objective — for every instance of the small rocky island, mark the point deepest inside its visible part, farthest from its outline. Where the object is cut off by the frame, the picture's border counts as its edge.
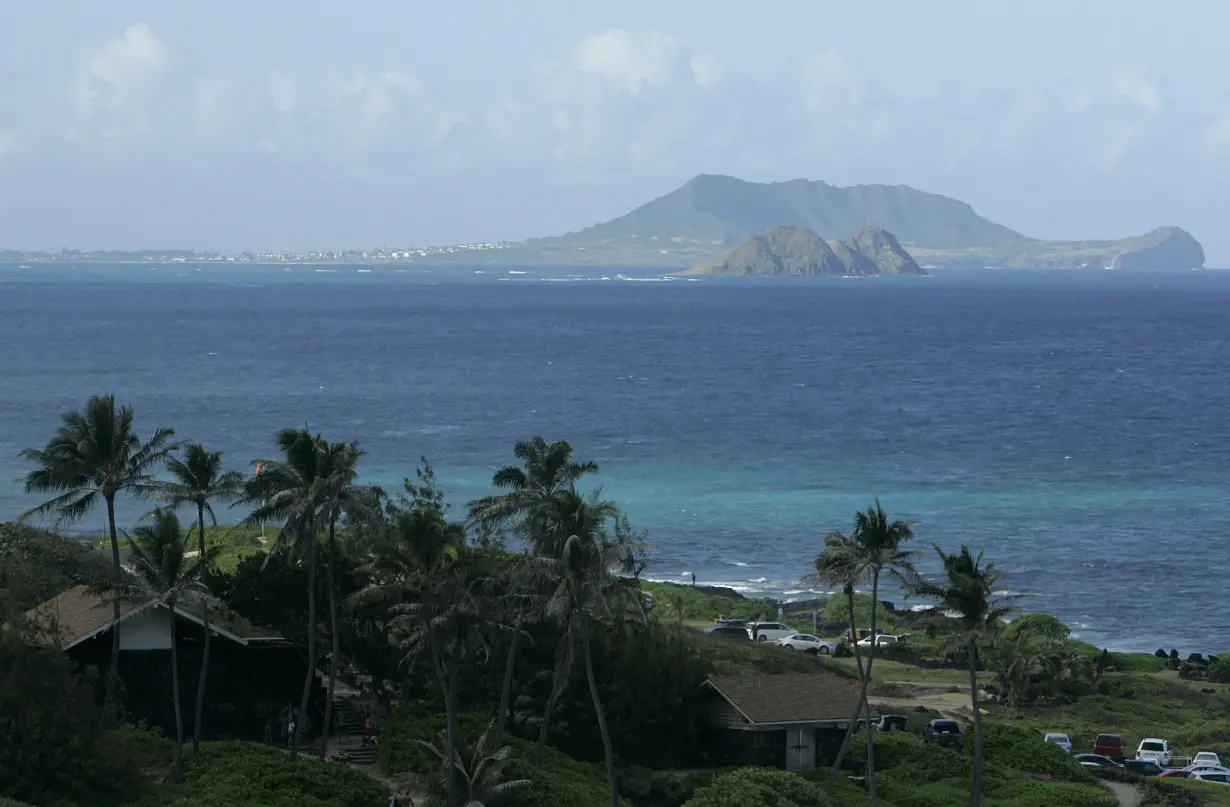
(796, 251)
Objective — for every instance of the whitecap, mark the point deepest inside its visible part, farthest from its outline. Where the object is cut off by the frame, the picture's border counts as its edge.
(738, 563)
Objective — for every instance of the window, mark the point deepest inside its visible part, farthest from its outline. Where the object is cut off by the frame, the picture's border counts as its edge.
(1152, 747)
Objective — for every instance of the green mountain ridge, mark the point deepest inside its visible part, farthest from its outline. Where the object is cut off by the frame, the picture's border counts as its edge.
(712, 213)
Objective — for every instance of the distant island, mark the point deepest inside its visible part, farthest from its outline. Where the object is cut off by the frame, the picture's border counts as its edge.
(796, 251)
(711, 214)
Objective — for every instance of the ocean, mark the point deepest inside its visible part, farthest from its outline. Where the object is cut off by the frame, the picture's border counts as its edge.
(1073, 426)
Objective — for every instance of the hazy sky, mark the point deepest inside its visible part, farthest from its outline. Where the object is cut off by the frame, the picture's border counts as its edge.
(269, 124)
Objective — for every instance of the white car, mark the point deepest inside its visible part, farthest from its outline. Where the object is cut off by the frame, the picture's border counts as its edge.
(1156, 750)
(1061, 740)
(1206, 758)
(882, 640)
(808, 644)
(769, 631)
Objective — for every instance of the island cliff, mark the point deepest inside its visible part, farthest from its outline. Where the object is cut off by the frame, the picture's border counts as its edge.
(796, 251)
(710, 214)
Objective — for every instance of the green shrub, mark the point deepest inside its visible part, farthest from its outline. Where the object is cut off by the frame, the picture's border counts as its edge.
(759, 787)
(10, 803)
(236, 774)
(910, 758)
(1017, 749)
(1219, 671)
(400, 751)
(560, 781)
(1035, 793)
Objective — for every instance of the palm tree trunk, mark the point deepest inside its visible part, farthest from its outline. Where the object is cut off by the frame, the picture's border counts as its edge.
(859, 708)
(336, 638)
(199, 711)
(607, 750)
(871, 654)
(113, 674)
(450, 734)
(506, 691)
(179, 712)
(310, 678)
(975, 797)
(563, 670)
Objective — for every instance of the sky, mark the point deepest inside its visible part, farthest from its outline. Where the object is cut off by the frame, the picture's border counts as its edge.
(305, 124)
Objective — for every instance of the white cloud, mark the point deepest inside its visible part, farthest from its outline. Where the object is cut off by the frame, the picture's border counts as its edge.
(113, 84)
(1132, 85)
(614, 109)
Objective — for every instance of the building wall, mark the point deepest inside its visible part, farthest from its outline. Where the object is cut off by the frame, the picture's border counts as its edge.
(149, 630)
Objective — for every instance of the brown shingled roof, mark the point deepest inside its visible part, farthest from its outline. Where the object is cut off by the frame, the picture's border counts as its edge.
(789, 698)
(76, 614)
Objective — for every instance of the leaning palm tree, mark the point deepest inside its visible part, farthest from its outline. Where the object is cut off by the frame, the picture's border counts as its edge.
(873, 548)
(162, 575)
(197, 480)
(579, 547)
(340, 497)
(290, 490)
(430, 584)
(842, 564)
(966, 592)
(546, 469)
(479, 770)
(94, 456)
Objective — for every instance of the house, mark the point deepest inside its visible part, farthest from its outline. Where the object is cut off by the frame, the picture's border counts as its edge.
(795, 721)
(253, 674)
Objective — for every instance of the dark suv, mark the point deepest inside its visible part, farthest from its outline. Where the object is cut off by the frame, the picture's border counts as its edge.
(943, 732)
(730, 632)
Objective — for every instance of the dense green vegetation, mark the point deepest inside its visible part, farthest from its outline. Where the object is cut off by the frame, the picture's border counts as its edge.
(515, 638)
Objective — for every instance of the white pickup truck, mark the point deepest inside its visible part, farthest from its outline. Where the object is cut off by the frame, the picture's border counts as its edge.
(1156, 750)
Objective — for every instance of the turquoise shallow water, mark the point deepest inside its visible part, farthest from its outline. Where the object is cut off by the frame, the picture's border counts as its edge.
(1072, 425)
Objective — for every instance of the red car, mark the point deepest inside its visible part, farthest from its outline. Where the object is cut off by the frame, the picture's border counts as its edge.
(1109, 745)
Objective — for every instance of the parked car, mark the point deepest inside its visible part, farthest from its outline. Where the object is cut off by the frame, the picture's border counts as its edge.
(882, 640)
(808, 644)
(1109, 745)
(943, 732)
(1205, 769)
(1143, 767)
(731, 623)
(1217, 778)
(1061, 740)
(730, 632)
(1157, 750)
(768, 631)
(1206, 758)
(1098, 761)
(893, 723)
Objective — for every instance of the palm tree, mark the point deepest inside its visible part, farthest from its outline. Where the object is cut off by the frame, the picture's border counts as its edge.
(966, 590)
(841, 564)
(479, 769)
(197, 480)
(162, 577)
(431, 584)
(340, 497)
(95, 455)
(290, 490)
(582, 554)
(546, 469)
(873, 547)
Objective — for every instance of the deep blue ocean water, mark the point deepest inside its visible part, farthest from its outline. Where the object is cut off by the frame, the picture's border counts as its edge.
(1076, 427)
